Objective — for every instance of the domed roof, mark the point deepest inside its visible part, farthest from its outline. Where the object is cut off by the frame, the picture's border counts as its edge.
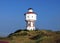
(30, 8)
(30, 11)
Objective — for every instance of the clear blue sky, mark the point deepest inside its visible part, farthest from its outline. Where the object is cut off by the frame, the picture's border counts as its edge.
(12, 14)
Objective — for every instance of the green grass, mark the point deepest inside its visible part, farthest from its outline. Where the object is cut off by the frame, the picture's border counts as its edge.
(37, 36)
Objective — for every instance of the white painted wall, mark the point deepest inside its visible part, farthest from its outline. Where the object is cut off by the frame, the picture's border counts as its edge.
(31, 16)
(30, 28)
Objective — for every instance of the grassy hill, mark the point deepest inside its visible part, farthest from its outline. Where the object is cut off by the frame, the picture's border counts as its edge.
(37, 36)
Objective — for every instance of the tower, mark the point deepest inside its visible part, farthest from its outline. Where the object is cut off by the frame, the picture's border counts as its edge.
(30, 18)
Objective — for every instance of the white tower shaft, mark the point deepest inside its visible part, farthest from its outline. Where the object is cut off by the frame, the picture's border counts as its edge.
(30, 25)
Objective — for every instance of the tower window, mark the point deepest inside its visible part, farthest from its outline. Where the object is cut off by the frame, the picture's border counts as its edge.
(28, 16)
(32, 16)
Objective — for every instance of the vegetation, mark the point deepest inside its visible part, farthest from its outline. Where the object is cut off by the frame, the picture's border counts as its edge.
(37, 36)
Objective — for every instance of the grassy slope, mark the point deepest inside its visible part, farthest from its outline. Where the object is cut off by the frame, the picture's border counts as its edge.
(37, 36)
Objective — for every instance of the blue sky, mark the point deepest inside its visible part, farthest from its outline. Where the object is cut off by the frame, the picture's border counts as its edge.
(12, 14)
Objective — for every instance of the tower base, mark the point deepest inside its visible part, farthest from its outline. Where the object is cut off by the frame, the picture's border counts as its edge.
(30, 28)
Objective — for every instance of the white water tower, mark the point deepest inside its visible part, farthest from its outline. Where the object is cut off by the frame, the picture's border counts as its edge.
(30, 18)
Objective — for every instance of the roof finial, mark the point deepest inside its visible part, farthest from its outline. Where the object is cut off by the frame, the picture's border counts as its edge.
(30, 8)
